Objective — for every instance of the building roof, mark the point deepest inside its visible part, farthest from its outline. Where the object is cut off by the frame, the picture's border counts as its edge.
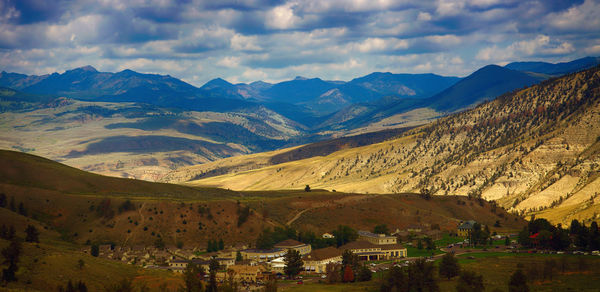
(323, 254)
(245, 269)
(273, 250)
(363, 244)
(391, 246)
(289, 243)
(359, 244)
(467, 224)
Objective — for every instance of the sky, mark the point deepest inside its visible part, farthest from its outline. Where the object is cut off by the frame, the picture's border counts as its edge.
(275, 40)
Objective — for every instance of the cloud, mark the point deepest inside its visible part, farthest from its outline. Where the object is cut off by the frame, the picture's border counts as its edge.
(198, 40)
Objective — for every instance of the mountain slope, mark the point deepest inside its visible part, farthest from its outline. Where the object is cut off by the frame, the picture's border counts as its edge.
(524, 149)
(555, 69)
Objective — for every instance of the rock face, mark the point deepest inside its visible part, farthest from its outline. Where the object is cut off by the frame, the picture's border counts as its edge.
(535, 151)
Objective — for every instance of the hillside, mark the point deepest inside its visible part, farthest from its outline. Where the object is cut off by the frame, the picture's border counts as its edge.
(525, 150)
(81, 206)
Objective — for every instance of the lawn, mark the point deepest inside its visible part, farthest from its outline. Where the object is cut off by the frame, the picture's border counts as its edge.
(415, 252)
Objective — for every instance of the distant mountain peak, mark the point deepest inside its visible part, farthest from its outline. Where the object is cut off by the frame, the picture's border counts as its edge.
(86, 68)
(217, 82)
(300, 78)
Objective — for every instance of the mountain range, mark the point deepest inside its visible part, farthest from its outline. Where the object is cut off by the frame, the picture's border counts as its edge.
(534, 151)
(144, 125)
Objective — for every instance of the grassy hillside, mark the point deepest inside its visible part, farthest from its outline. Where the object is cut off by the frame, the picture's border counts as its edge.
(525, 149)
(79, 207)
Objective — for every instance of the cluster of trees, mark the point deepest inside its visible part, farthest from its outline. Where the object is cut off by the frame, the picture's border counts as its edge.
(193, 277)
(420, 276)
(351, 270)
(553, 237)
(479, 235)
(243, 213)
(12, 252)
(214, 245)
(73, 287)
(11, 204)
(343, 234)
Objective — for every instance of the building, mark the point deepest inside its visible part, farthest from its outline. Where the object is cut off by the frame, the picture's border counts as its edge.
(179, 266)
(327, 235)
(317, 260)
(368, 251)
(262, 255)
(243, 273)
(290, 244)
(465, 228)
(376, 238)
(278, 265)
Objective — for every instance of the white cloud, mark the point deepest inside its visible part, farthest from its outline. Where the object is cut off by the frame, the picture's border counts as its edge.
(424, 16)
(380, 44)
(230, 62)
(244, 43)
(540, 45)
(282, 17)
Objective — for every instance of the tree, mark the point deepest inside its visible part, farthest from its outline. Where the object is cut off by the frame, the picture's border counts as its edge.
(159, 243)
(243, 214)
(420, 276)
(11, 255)
(80, 264)
(469, 282)
(213, 267)
(348, 274)
(333, 273)
(350, 259)
(381, 229)
(364, 274)
(449, 266)
(31, 234)
(518, 282)
(396, 280)
(2, 200)
(506, 241)
(344, 234)
(95, 250)
(221, 244)
(307, 188)
(238, 257)
(192, 277)
(293, 263)
(12, 205)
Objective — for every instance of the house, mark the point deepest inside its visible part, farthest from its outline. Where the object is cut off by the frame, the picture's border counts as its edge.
(278, 265)
(243, 273)
(368, 251)
(376, 238)
(262, 255)
(290, 244)
(317, 260)
(179, 265)
(464, 228)
(327, 235)
(414, 228)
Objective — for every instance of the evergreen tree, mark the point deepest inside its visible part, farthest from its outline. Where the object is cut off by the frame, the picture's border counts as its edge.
(11, 255)
(12, 205)
(2, 200)
(421, 276)
(307, 188)
(22, 210)
(518, 282)
(213, 267)
(31, 234)
(449, 266)
(469, 282)
(192, 277)
(293, 263)
(381, 229)
(238, 256)
(95, 250)
(221, 244)
(364, 274)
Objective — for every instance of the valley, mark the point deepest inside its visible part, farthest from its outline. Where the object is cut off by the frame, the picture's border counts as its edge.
(524, 149)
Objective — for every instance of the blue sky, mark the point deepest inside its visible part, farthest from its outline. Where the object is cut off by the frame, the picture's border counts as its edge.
(273, 40)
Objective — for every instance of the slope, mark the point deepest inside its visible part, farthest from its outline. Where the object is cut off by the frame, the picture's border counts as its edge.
(525, 149)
